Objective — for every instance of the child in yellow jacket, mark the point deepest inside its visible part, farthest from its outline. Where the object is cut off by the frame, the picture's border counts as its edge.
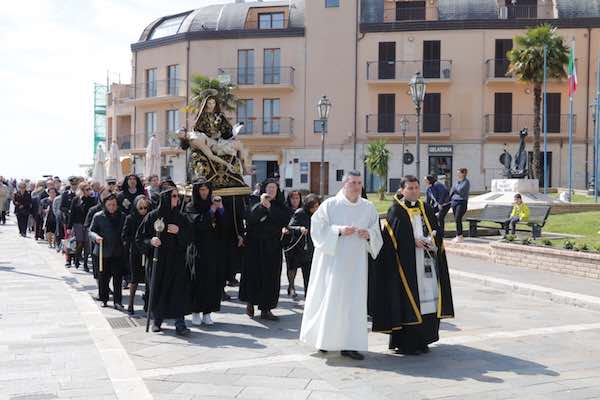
(520, 213)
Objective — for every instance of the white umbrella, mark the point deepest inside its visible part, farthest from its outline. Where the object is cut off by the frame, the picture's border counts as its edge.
(99, 173)
(152, 166)
(113, 166)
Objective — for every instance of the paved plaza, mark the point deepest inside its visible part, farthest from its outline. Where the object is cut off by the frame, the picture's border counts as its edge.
(55, 342)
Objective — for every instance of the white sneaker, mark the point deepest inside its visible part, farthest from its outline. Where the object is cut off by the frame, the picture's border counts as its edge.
(196, 319)
(207, 320)
(458, 239)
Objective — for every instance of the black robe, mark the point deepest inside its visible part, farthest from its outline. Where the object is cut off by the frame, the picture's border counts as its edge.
(171, 297)
(207, 273)
(394, 293)
(134, 256)
(261, 278)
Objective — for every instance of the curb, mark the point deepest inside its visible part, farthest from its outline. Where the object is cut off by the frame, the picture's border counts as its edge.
(542, 292)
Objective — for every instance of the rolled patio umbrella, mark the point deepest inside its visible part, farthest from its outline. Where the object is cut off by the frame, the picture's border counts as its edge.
(152, 166)
(113, 167)
(99, 173)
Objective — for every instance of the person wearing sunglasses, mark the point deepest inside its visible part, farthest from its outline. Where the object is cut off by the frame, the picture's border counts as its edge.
(141, 207)
(170, 299)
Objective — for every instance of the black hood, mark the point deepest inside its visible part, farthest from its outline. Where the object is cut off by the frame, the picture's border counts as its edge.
(139, 186)
(263, 189)
(198, 205)
(134, 210)
(164, 208)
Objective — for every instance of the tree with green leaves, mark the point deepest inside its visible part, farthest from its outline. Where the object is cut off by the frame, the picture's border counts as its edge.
(527, 64)
(203, 86)
(377, 160)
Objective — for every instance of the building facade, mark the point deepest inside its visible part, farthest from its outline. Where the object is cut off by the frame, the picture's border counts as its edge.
(283, 55)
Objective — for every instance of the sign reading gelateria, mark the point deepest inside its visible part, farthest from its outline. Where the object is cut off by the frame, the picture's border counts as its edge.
(441, 149)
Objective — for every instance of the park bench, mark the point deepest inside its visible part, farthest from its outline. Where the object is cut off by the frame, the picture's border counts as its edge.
(500, 214)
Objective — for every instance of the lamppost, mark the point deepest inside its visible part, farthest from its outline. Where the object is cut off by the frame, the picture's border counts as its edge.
(594, 107)
(403, 128)
(323, 108)
(417, 93)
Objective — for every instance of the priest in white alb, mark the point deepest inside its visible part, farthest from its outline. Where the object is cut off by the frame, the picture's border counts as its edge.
(345, 230)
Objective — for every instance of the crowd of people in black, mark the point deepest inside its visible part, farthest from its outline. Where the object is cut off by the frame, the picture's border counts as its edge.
(110, 229)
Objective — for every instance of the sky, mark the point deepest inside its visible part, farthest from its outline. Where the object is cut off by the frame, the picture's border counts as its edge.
(51, 53)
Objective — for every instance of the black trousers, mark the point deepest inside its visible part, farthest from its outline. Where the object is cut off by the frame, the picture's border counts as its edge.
(112, 268)
(39, 226)
(459, 210)
(22, 220)
(2, 217)
(441, 217)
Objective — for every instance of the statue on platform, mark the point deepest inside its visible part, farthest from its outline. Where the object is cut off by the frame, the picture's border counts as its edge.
(520, 169)
(215, 152)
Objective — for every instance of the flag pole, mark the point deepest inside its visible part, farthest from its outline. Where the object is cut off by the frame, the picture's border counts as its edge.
(545, 120)
(597, 133)
(571, 81)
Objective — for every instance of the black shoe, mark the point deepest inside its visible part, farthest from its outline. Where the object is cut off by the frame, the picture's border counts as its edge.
(103, 305)
(412, 352)
(323, 351)
(268, 316)
(156, 328)
(130, 310)
(425, 349)
(119, 306)
(68, 265)
(182, 331)
(86, 268)
(76, 265)
(355, 355)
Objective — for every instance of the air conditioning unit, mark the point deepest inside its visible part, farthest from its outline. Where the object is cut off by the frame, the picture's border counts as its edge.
(503, 12)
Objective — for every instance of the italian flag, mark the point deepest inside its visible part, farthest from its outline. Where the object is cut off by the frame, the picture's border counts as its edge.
(572, 72)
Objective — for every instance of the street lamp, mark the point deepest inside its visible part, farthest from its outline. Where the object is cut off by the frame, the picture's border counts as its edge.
(403, 128)
(417, 88)
(323, 108)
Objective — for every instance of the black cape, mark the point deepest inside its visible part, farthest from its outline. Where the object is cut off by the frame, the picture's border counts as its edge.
(261, 277)
(207, 274)
(130, 228)
(394, 293)
(171, 297)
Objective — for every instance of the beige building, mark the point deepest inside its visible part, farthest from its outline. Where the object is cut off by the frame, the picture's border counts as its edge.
(283, 55)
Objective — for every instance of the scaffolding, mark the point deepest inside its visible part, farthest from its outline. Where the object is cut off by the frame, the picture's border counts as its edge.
(99, 115)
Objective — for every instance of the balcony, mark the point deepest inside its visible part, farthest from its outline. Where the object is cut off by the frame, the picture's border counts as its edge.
(406, 13)
(527, 11)
(402, 71)
(499, 125)
(496, 70)
(259, 78)
(154, 92)
(168, 141)
(434, 125)
(267, 128)
(124, 141)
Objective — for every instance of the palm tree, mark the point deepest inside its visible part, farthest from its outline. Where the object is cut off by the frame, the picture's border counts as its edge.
(203, 86)
(527, 64)
(377, 160)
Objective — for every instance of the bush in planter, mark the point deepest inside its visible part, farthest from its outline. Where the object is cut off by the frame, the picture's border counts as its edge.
(582, 247)
(526, 241)
(510, 238)
(568, 245)
(547, 242)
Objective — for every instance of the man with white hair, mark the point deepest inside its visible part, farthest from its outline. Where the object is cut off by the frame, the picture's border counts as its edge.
(345, 230)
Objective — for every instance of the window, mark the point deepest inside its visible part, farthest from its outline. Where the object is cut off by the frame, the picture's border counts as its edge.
(151, 82)
(501, 63)
(387, 60)
(173, 80)
(386, 109)
(303, 178)
(553, 110)
(150, 125)
(332, 3)
(168, 27)
(503, 112)
(172, 120)
(271, 121)
(271, 20)
(272, 70)
(410, 10)
(431, 59)
(245, 114)
(245, 67)
(431, 112)
(339, 175)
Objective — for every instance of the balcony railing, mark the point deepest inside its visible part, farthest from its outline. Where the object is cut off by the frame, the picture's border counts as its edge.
(150, 89)
(511, 124)
(258, 76)
(405, 69)
(267, 126)
(518, 12)
(166, 139)
(392, 123)
(124, 142)
(497, 68)
(415, 13)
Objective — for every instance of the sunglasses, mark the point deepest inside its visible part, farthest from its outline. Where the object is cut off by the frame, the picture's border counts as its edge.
(142, 208)
(174, 196)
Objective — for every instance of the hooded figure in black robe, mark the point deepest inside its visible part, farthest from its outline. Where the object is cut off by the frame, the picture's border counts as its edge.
(170, 299)
(261, 278)
(204, 252)
(394, 294)
(137, 263)
(127, 195)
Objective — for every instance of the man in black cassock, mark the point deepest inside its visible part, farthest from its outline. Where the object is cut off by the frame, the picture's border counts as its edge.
(410, 291)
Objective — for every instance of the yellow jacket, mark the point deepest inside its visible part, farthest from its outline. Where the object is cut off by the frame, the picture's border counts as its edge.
(521, 211)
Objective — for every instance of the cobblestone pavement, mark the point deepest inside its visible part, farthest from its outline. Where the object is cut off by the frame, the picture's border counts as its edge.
(56, 343)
